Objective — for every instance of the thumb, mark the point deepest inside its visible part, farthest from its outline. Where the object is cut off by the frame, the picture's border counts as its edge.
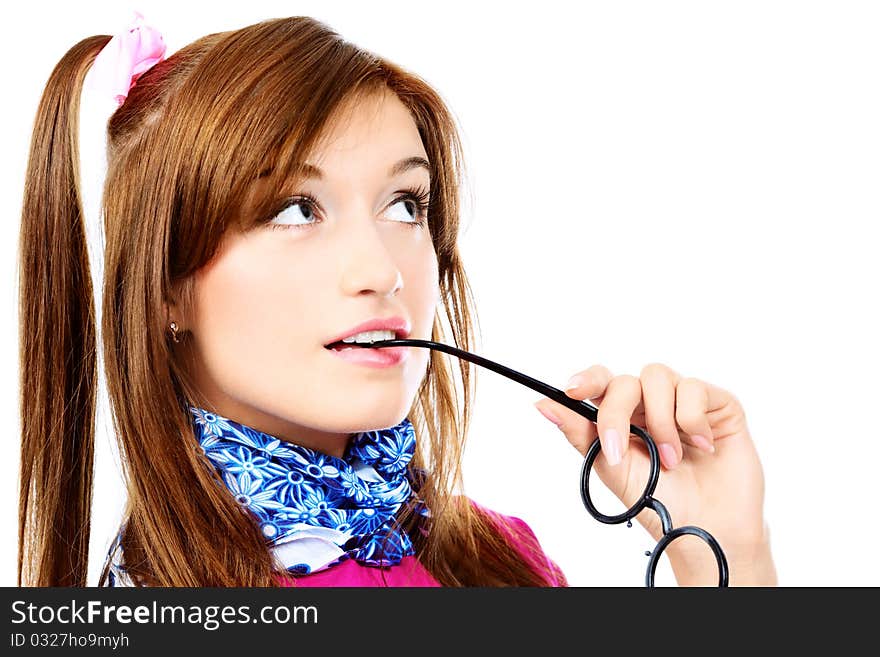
(578, 430)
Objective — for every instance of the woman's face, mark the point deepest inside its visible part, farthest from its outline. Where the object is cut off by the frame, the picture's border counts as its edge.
(272, 298)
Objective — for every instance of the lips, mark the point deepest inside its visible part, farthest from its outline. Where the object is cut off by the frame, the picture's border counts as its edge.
(381, 358)
(398, 325)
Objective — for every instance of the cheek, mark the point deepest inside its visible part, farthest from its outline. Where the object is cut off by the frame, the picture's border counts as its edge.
(421, 292)
(248, 317)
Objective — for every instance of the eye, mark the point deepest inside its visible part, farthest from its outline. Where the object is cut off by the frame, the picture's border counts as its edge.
(299, 207)
(415, 204)
(405, 209)
(410, 208)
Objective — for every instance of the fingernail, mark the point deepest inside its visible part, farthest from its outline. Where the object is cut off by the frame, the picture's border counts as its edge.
(703, 443)
(574, 382)
(550, 416)
(612, 446)
(667, 452)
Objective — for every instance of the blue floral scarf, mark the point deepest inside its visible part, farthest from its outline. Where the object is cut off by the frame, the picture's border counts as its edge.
(315, 509)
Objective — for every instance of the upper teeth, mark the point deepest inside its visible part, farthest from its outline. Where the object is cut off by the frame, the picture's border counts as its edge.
(370, 336)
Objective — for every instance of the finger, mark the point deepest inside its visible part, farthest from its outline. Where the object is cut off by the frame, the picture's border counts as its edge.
(589, 383)
(692, 413)
(578, 430)
(658, 396)
(622, 397)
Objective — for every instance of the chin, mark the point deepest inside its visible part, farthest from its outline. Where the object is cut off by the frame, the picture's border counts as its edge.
(374, 421)
(372, 417)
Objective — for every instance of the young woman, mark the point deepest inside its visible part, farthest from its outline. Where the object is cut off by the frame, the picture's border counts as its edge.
(271, 192)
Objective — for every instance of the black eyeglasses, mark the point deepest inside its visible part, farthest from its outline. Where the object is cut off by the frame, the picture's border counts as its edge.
(590, 412)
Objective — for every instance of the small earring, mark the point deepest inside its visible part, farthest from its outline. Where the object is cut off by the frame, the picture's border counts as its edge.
(174, 333)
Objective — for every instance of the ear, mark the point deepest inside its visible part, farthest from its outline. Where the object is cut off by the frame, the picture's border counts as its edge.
(171, 313)
(173, 309)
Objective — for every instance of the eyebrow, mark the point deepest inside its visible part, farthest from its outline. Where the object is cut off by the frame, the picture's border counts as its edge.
(403, 166)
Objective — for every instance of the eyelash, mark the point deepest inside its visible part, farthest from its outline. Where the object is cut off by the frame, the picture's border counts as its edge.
(419, 195)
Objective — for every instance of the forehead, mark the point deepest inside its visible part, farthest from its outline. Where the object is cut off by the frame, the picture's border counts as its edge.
(376, 131)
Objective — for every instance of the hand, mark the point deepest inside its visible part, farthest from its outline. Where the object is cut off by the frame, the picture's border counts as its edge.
(711, 476)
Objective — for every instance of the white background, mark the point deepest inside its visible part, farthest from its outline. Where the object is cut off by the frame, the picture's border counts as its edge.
(691, 183)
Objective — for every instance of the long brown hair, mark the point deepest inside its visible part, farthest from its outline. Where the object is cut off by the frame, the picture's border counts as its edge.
(193, 133)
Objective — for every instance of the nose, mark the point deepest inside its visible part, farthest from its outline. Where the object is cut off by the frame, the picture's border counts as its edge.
(370, 265)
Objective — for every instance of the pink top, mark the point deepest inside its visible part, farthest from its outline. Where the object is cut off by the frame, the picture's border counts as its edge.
(410, 571)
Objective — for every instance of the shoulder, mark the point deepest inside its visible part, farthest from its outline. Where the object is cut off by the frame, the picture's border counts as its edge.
(518, 533)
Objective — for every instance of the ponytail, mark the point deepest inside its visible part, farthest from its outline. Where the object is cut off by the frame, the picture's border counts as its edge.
(57, 343)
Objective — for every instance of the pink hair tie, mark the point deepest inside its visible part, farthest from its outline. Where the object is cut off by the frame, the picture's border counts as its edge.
(125, 58)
